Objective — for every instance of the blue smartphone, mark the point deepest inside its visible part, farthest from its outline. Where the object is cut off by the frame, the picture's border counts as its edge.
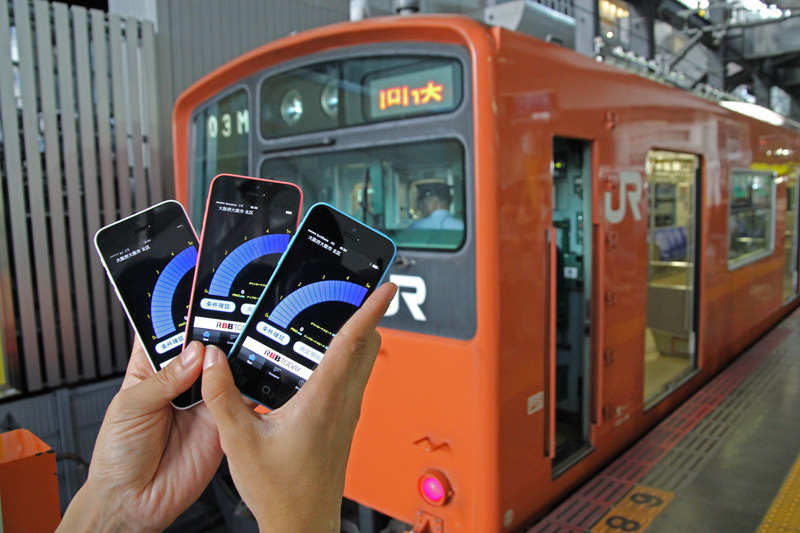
(331, 266)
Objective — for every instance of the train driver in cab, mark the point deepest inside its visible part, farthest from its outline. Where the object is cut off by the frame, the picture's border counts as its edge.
(433, 203)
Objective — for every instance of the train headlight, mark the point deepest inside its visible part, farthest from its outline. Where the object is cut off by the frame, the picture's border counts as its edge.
(434, 487)
(330, 99)
(291, 106)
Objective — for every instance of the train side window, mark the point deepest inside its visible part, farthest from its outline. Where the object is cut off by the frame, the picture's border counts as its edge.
(751, 221)
(414, 192)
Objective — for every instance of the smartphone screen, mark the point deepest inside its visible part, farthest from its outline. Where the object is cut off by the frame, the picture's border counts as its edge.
(247, 226)
(333, 264)
(150, 258)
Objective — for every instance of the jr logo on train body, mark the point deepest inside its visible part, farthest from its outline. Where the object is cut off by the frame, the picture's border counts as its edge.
(413, 291)
(630, 192)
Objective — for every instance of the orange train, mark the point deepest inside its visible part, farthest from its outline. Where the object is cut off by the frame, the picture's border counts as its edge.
(600, 244)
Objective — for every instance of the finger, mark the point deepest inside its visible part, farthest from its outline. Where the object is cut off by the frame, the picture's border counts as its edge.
(139, 367)
(368, 316)
(159, 389)
(220, 394)
(349, 360)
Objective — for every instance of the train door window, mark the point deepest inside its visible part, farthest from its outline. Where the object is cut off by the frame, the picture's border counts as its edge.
(413, 192)
(571, 208)
(790, 241)
(670, 336)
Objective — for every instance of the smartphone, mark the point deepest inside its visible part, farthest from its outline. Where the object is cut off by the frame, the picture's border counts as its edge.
(150, 258)
(247, 226)
(331, 266)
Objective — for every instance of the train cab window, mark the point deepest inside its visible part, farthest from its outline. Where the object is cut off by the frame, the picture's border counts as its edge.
(751, 222)
(220, 134)
(356, 91)
(414, 192)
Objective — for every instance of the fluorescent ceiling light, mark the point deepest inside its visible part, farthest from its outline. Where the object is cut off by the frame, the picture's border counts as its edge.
(755, 111)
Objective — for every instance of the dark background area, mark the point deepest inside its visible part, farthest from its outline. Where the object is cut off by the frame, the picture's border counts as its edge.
(91, 4)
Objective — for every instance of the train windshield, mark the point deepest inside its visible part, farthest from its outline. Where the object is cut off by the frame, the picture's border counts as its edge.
(412, 192)
(383, 137)
(221, 133)
(351, 92)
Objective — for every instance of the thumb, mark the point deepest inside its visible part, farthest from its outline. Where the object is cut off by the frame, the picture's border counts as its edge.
(157, 390)
(348, 362)
(221, 396)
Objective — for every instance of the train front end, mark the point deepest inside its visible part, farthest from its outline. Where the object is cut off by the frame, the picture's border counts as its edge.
(393, 122)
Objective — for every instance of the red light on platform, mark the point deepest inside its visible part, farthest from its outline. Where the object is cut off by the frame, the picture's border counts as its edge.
(434, 488)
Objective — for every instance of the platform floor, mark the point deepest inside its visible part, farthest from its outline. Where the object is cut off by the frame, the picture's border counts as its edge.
(728, 460)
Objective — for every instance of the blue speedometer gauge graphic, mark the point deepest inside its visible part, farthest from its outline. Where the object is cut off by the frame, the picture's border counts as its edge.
(316, 293)
(241, 257)
(164, 290)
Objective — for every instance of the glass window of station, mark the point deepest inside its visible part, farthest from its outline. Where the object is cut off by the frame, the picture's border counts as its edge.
(615, 20)
(414, 191)
(751, 221)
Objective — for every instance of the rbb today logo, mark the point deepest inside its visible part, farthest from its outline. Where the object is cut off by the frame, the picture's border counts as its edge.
(275, 357)
(228, 326)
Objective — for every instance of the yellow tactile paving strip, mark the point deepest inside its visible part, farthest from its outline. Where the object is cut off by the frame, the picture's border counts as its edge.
(784, 514)
(635, 511)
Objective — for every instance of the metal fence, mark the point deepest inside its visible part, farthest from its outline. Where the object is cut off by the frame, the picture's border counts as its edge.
(80, 149)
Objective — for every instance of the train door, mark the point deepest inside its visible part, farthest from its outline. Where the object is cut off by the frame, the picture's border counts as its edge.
(672, 229)
(790, 242)
(573, 275)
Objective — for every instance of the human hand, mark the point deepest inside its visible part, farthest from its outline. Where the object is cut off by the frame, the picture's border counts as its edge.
(289, 465)
(151, 461)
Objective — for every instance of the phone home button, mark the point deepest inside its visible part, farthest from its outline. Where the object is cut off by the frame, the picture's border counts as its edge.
(266, 390)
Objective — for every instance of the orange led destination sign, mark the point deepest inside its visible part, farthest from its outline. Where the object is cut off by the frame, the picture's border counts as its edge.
(400, 95)
(415, 92)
